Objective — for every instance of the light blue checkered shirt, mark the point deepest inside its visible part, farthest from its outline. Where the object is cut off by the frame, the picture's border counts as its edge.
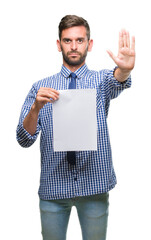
(94, 172)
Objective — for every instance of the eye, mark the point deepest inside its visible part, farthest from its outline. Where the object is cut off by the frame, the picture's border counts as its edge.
(80, 40)
(66, 40)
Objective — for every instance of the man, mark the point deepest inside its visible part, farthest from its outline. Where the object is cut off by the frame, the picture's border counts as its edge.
(81, 179)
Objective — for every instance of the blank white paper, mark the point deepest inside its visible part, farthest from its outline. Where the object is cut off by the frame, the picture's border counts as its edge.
(74, 120)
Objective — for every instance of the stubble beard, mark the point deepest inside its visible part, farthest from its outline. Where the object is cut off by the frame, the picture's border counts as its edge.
(71, 61)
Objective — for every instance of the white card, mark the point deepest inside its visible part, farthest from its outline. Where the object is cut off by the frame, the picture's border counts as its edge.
(74, 120)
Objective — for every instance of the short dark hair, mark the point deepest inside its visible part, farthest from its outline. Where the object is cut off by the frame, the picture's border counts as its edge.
(73, 21)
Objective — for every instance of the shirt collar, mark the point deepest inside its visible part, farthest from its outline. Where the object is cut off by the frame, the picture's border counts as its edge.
(79, 72)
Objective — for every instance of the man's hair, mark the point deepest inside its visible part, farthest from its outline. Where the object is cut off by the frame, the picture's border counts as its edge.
(72, 21)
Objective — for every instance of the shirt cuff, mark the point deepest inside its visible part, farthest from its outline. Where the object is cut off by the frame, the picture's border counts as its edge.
(24, 138)
(125, 84)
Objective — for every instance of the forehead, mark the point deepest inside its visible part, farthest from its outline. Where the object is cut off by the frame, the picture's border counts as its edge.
(74, 32)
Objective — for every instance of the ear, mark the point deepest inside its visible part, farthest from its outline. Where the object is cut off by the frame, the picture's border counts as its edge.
(59, 46)
(90, 45)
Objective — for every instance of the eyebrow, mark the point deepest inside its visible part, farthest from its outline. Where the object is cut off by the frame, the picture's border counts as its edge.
(82, 38)
(64, 39)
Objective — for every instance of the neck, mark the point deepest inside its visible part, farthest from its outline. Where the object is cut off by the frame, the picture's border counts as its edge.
(72, 68)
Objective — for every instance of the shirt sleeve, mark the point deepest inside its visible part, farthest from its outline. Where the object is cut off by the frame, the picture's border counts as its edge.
(113, 86)
(23, 137)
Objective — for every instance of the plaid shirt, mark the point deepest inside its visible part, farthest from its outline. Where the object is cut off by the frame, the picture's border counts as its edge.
(94, 172)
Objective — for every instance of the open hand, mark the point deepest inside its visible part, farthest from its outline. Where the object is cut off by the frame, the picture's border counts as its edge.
(125, 59)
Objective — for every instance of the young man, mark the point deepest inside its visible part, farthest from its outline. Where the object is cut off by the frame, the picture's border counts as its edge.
(81, 179)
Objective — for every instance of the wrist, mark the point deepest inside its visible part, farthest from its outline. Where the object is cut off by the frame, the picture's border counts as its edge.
(124, 71)
(35, 109)
(121, 74)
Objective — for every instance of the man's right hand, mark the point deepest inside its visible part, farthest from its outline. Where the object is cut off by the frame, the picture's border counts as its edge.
(45, 95)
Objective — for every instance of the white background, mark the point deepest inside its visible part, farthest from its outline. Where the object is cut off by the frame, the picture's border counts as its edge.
(28, 53)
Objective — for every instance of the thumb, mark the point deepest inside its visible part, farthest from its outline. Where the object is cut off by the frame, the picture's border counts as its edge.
(111, 55)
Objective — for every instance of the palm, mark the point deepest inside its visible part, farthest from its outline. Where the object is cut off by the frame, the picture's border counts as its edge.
(126, 54)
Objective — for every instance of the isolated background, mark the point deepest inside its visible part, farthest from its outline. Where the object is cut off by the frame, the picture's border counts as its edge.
(28, 53)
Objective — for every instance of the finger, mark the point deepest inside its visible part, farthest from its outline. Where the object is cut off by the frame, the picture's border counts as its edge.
(128, 39)
(133, 44)
(53, 96)
(54, 90)
(121, 40)
(112, 55)
(48, 94)
(49, 89)
(43, 100)
(124, 39)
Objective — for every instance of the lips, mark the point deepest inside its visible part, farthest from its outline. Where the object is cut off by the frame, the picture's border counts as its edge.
(73, 54)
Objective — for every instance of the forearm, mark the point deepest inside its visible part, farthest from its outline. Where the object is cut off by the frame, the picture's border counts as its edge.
(30, 122)
(121, 75)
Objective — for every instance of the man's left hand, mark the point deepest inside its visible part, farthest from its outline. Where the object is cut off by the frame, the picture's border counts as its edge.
(125, 59)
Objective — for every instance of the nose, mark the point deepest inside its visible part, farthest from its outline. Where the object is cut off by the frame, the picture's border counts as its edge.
(73, 45)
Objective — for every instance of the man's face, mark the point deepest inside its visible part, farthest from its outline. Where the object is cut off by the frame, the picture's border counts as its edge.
(74, 46)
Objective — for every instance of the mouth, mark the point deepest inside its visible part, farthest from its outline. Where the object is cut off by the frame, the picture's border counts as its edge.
(73, 54)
